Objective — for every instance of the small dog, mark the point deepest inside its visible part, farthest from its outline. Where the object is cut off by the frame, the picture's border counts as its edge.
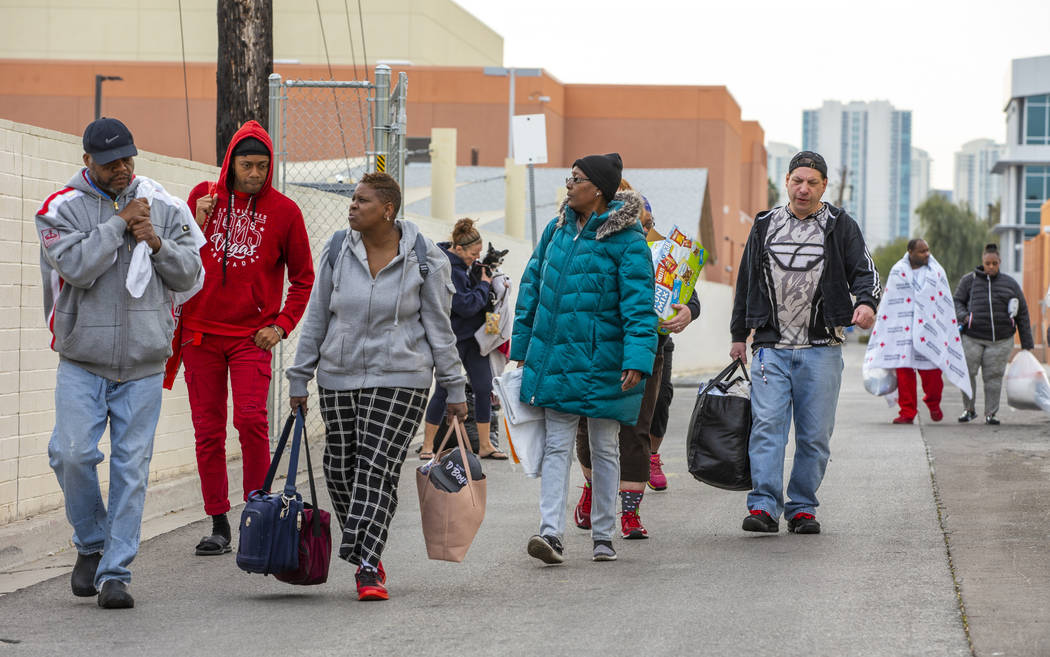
(490, 263)
(493, 258)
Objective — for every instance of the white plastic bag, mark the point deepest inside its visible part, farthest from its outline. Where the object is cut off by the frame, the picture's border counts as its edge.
(525, 425)
(878, 381)
(1027, 387)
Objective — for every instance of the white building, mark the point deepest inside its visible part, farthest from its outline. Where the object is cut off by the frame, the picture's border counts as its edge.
(1025, 166)
(975, 183)
(868, 150)
(778, 157)
(920, 185)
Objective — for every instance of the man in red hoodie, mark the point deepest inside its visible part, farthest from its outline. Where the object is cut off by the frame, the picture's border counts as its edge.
(253, 234)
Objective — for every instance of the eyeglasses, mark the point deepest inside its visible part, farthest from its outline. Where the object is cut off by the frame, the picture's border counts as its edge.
(573, 180)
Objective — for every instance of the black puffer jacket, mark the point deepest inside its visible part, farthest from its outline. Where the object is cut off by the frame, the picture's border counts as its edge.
(982, 304)
(849, 280)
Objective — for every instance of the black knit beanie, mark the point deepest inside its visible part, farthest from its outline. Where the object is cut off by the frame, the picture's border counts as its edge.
(251, 146)
(604, 171)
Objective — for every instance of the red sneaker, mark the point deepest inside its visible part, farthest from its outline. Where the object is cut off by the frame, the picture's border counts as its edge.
(631, 526)
(936, 414)
(369, 586)
(900, 419)
(657, 478)
(583, 509)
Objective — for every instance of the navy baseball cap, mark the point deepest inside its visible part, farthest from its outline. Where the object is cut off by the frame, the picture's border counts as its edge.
(108, 139)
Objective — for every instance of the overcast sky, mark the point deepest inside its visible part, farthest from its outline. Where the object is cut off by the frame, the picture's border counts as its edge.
(946, 61)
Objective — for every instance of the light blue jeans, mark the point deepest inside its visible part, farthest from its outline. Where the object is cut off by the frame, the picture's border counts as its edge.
(557, 460)
(803, 382)
(84, 403)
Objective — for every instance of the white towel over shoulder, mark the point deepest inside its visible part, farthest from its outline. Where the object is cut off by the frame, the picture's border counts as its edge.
(141, 269)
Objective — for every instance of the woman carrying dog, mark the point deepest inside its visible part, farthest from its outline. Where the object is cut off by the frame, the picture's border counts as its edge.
(469, 303)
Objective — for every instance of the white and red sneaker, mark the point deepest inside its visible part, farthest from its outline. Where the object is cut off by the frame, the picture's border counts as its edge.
(582, 516)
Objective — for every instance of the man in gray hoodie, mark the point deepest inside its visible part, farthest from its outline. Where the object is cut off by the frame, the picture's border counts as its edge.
(112, 345)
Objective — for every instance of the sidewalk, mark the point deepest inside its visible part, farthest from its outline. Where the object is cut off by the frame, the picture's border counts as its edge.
(876, 582)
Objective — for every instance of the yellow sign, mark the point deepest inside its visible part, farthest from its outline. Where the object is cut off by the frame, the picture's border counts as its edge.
(380, 162)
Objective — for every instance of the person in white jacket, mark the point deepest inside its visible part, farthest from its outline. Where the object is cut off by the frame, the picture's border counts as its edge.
(916, 329)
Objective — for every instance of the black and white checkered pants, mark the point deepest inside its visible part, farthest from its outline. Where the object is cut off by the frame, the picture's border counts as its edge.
(367, 433)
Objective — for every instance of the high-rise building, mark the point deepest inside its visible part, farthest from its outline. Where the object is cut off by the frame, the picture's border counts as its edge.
(778, 157)
(868, 150)
(920, 184)
(975, 184)
(1025, 166)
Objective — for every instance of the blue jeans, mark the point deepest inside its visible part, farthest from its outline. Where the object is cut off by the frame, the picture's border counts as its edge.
(83, 404)
(785, 381)
(605, 473)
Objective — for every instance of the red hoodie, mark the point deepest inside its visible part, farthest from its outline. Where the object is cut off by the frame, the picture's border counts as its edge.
(266, 235)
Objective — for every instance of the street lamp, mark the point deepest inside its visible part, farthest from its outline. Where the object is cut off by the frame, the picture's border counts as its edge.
(99, 79)
(501, 71)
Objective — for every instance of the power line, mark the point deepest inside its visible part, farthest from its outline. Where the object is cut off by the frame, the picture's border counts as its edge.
(357, 92)
(185, 83)
(364, 50)
(331, 76)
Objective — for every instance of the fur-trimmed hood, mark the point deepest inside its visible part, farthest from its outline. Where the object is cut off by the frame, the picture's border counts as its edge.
(625, 210)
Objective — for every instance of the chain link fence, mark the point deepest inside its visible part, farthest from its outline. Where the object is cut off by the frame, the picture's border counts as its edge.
(326, 135)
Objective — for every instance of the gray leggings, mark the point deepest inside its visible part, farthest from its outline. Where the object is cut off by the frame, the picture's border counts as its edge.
(991, 358)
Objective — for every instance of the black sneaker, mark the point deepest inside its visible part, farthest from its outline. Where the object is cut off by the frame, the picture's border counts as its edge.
(114, 595)
(991, 419)
(967, 416)
(83, 578)
(803, 523)
(760, 521)
(547, 549)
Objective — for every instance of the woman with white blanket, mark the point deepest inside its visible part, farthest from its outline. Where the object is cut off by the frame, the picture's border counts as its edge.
(916, 329)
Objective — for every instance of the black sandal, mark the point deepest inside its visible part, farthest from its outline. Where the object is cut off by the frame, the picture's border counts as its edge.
(213, 545)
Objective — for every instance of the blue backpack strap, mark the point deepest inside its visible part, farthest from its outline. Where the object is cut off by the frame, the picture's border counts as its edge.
(336, 244)
(420, 248)
(421, 255)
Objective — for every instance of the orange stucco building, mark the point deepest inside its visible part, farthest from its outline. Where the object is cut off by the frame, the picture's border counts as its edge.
(650, 126)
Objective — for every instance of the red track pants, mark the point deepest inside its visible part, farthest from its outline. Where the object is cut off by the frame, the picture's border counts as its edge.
(207, 365)
(932, 387)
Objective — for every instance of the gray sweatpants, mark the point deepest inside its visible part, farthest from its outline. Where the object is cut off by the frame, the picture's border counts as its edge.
(991, 358)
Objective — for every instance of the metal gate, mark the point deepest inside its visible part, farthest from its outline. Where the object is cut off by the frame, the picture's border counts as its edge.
(327, 134)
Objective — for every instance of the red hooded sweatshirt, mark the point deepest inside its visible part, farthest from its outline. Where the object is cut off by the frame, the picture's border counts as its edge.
(245, 259)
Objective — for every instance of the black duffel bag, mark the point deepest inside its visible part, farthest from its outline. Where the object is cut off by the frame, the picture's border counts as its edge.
(719, 431)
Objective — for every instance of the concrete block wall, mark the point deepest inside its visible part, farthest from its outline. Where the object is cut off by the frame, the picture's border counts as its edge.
(34, 163)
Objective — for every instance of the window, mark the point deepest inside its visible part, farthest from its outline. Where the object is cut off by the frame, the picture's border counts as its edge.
(1036, 190)
(1037, 119)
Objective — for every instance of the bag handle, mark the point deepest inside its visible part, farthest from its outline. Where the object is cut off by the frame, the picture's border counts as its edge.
(726, 373)
(293, 459)
(272, 472)
(315, 521)
(454, 425)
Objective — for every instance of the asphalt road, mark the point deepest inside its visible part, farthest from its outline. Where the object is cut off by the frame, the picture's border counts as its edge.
(876, 582)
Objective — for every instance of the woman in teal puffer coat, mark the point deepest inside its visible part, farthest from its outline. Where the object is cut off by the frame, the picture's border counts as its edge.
(585, 332)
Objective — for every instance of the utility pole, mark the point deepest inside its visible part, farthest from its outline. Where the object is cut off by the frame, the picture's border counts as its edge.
(842, 186)
(245, 62)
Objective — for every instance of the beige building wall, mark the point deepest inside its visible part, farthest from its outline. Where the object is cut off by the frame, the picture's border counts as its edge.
(425, 32)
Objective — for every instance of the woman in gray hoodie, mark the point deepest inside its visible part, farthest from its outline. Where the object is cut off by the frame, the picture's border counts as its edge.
(376, 332)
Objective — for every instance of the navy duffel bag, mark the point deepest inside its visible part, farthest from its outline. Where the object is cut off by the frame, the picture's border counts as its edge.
(269, 532)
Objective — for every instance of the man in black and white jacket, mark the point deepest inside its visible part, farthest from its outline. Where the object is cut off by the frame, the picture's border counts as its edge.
(805, 275)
